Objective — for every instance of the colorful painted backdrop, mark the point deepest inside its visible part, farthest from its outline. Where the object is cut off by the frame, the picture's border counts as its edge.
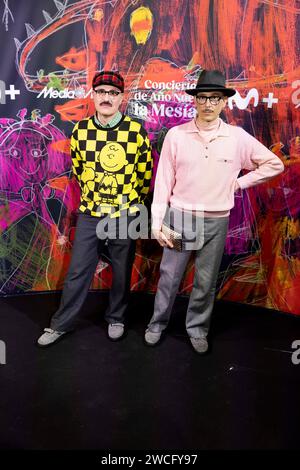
(50, 51)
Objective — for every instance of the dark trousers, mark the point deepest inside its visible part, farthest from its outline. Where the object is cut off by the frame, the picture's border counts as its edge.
(86, 251)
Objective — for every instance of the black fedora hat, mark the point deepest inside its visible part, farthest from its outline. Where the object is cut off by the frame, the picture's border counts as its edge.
(211, 80)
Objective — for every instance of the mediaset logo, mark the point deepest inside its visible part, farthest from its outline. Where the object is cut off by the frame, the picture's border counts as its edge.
(7, 90)
(66, 93)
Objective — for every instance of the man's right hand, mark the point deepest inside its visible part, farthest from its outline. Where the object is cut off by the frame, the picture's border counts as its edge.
(162, 239)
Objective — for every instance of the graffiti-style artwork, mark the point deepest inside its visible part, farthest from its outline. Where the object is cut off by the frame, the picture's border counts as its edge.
(159, 47)
(7, 16)
(36, 200)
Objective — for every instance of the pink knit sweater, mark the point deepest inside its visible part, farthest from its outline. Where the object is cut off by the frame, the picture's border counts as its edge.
(199, 166)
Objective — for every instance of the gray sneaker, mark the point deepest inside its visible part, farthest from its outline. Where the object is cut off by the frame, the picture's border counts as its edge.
(151, 338)
(115, 331)
(200, 345)
(49, 337)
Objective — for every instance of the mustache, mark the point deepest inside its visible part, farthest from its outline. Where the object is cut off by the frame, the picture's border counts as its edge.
(106, 102)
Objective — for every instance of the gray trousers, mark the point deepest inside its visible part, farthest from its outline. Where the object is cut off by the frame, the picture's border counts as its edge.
(207, 265)
(86, 251)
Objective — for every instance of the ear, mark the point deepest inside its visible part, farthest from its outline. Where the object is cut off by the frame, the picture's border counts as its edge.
(225, 99)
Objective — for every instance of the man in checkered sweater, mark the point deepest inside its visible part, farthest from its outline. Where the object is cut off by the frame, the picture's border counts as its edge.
(111, 160)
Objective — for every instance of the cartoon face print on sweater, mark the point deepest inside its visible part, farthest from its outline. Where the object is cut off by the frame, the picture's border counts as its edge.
(112, 159)
(103, 186)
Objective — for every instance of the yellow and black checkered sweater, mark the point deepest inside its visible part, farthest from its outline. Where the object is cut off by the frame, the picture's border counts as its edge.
(112, 165)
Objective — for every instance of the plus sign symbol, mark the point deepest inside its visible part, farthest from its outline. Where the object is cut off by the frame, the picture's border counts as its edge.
(270, 100)
(4, 91)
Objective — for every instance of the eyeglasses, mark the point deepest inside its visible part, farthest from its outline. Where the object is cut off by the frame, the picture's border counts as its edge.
(202, 99)
(111, 93)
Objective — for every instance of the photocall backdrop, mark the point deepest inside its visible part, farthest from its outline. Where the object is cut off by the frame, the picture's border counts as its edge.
(50, 51)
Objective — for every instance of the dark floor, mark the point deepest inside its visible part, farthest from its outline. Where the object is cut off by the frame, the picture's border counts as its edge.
(90, 393)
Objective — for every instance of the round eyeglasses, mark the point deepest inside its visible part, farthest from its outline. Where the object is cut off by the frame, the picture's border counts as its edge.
(201, 99)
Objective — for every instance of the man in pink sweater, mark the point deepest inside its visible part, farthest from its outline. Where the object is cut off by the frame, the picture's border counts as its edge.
(197, 176)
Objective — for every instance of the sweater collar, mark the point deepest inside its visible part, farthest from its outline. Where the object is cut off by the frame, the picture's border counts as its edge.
(221, 127)
(113, 122)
